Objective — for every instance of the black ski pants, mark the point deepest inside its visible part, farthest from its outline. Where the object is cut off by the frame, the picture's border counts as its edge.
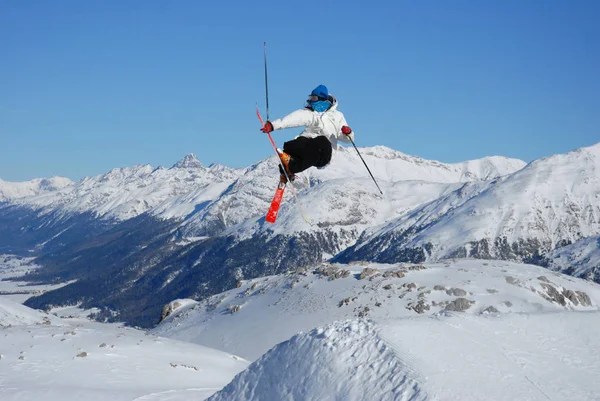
(308, 152)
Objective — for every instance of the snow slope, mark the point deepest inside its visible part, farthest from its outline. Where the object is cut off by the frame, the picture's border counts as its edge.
(548, 202)
(16, 190)
(457, 330)
(449, 357)
(46, 358)
(343, 361)
(272, 309)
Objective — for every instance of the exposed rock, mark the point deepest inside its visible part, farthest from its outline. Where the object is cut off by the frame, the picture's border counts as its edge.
(511, 280)
(571, 296)
(168, 309)
(363, 312)
(387, 287)
(409, 286)
(584, 298)
(490, 309)
(346, 301)
(393, 274)
(459, 305)
(508, 304)
(553, 295)
(103, 345)
(457, 292)
(239, 284)
(419, 307)
(544, 279)
(492, 291)
(332, 272)
(368, 272)
(82, 355)
(439, 288)
(233, 309)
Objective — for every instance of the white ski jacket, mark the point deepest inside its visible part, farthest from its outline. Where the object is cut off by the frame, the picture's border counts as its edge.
(328, 123)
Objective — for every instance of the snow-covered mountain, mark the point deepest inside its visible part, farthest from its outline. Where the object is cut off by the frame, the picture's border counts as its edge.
(15, 190)
(456, 330)
(199, 236)
(580, 259)
(127, 192)
(548, 203)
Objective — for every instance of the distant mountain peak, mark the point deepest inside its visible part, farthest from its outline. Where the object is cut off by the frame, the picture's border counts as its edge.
(189, 161)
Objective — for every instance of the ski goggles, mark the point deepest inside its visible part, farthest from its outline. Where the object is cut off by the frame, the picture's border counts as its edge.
(315, 98)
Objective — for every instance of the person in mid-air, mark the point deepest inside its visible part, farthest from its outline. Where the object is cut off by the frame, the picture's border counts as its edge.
(325, 125)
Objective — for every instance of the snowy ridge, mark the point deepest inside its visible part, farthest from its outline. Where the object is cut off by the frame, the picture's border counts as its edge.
(550, 201)
(272, 309)
(345, 360)
(457, 330)
(15, 190)
(247, 199)
(127, 192)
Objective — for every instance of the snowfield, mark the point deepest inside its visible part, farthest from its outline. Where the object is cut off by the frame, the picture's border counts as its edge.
(458, 330)
(450, 331)
(46, 358)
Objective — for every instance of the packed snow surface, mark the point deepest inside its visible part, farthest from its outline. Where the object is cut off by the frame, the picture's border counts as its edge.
(456, 330)
(445, 357)
(46, 358)
(343, 361)
(272, 309)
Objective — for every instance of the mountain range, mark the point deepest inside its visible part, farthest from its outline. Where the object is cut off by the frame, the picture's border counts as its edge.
(135, 238)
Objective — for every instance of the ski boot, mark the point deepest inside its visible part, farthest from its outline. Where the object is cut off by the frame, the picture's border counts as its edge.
(285, 160)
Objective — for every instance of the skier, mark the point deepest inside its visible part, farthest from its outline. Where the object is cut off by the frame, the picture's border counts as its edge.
(325, 125)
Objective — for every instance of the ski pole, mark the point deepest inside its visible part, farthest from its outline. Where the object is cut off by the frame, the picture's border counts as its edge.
(266, 82)
(273, 142)
(363, 160)
(260, 118)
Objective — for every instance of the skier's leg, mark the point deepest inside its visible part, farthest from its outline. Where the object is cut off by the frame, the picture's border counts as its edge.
(307, 152)
(300, 154)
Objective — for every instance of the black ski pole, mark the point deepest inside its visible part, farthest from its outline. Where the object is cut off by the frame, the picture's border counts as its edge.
(363, 160)
(266, 80)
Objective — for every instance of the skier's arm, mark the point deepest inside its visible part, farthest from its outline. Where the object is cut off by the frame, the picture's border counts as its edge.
(298, 118)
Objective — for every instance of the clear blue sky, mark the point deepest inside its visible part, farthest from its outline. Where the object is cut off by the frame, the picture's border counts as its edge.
(86, 86)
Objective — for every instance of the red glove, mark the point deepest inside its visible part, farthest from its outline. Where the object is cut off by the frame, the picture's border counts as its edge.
(346, 130)
(267, 128)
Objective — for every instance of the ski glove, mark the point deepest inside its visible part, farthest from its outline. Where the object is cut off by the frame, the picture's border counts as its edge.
(267, 128)
(346, 130)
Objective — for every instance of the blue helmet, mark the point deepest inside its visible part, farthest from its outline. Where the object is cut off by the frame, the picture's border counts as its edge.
(320, 91)
(319, 100)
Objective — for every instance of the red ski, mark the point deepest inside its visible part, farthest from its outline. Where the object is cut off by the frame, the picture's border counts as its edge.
(274, 209)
